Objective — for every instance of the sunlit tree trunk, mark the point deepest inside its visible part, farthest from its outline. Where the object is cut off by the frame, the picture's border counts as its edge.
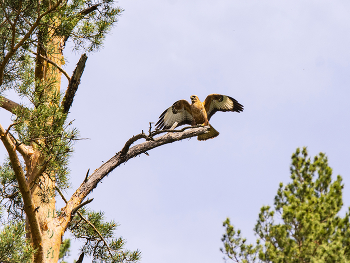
(43, 188)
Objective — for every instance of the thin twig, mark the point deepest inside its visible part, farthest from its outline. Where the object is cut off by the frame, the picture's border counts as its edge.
(61, 194)
(6, 15)
(183, 129)
(99, 234)
(81, 205)
(74, 84)
(10, 126)
(87, 176)
(87, 221)
(149, 137)
(2, 23)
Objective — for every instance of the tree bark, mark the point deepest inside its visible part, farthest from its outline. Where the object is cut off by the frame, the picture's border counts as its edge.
(43, 192)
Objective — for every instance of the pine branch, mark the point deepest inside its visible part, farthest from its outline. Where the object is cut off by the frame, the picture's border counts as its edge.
(80, 259)
(25, 37)
(25, 191)
(98, 233)
(87, 221)
(89, 10)
(12, 106)
(82, 13)
(9, 105)
(150, 137)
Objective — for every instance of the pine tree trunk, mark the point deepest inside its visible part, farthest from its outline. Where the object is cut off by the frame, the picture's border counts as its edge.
(43, 191)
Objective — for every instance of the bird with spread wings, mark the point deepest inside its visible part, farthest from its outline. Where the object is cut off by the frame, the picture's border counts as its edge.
(182, 112)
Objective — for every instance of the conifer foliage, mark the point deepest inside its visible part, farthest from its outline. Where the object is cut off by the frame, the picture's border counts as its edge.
(304, 225)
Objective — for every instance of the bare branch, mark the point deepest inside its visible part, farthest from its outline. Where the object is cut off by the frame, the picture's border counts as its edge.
(150, 136)
(80, 259)
(86, 187)
(9, 105)
(81, 205)
(87, 175)
(73, 84)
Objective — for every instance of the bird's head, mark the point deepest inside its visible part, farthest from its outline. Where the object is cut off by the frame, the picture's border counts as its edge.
(194, 98)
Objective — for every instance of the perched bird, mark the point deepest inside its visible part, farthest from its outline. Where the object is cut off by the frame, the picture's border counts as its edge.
(198, 112)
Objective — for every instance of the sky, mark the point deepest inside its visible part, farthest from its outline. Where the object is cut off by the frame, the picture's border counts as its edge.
(287, 62)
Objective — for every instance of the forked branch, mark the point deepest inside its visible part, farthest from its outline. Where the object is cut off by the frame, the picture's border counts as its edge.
(123, 156)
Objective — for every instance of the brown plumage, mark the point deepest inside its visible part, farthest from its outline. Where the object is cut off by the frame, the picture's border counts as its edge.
(182, 112)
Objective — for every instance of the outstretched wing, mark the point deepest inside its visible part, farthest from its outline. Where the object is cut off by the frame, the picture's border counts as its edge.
(217, 102)
(180, 112)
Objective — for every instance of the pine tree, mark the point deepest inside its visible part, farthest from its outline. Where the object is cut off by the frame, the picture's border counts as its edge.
(304, 225)
(33, 35)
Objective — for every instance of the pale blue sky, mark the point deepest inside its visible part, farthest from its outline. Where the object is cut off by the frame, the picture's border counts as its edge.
(288, 63)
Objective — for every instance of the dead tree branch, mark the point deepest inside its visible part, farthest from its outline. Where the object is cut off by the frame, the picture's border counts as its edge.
(80, 259)
(123, 156)
(73, 84)
(150, 137)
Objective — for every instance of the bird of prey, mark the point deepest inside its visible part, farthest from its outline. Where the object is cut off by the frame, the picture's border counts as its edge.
(182, 112)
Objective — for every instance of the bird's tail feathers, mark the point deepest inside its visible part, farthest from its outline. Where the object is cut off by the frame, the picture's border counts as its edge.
(212, 133)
